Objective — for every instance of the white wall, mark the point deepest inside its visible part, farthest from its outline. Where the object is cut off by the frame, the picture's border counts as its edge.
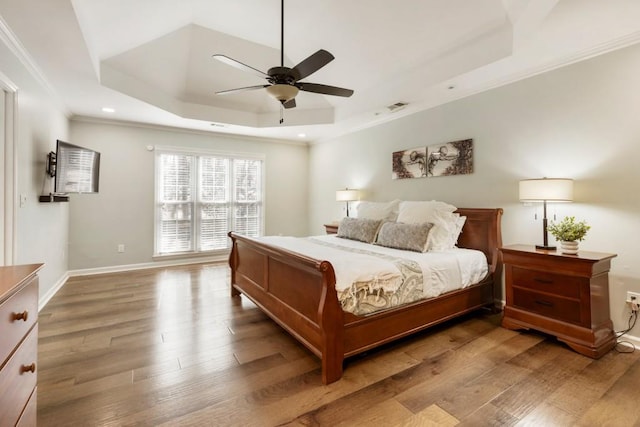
(41, 229)
(123, 211)
(579, 122)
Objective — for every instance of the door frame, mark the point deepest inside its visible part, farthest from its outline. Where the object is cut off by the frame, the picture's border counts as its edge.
(8, 180)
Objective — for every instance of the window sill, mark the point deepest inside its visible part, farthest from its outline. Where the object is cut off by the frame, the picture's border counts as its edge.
(218, 255)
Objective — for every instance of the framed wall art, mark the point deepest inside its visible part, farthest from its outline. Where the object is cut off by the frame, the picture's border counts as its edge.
(451, 158)
(410, 163)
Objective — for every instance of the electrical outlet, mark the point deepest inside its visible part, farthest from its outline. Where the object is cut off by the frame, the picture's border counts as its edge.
(121, 248)
(633, 300)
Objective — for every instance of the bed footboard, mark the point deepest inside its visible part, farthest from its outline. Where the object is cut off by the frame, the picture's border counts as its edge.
(296, 292)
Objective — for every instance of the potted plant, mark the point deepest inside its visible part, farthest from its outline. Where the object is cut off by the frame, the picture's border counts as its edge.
(568, 232)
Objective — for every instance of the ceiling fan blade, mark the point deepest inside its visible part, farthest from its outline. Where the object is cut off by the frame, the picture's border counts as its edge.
(310, 65)
(240, 89)
(324, 89)
(290, 103)
(237, 64)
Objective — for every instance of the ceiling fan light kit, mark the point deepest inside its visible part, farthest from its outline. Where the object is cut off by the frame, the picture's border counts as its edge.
(282, 92)
(284, 82)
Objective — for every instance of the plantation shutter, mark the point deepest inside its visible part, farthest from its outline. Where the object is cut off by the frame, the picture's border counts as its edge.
(175, 203)
(202, 197)
(248, 195)
(214, 203)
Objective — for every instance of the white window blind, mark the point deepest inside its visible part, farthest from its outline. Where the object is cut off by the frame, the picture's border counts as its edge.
(201, 197)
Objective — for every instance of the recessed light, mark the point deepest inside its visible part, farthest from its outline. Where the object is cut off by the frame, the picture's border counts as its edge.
(302, 135)
(108, 110)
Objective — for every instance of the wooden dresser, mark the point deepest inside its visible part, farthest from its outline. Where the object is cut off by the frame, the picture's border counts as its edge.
(562, 295)
(18, 344)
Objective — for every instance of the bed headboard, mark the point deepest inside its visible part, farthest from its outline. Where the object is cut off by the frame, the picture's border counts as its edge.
(482, 231)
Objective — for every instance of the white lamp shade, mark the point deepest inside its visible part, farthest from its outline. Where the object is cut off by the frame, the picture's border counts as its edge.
(546, 189)
(347, 195)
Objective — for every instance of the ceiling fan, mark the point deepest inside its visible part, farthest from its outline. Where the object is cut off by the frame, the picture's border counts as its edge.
(284, 83)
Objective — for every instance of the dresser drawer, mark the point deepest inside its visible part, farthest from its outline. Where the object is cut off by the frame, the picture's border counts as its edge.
(556, 284)
(16, 383)
(30, 414)
(547, 305)
(17, 315)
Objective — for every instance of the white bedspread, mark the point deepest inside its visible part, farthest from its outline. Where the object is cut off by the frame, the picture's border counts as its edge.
(441, 271)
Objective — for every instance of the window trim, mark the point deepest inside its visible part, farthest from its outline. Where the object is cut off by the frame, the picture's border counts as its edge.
(190, 151)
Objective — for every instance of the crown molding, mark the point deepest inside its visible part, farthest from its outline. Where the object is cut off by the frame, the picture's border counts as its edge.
(17, 48)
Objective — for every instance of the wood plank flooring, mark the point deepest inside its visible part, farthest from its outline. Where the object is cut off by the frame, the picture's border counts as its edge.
(170, 347)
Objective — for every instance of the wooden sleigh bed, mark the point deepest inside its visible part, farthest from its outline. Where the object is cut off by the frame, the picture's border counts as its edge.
(299, 294)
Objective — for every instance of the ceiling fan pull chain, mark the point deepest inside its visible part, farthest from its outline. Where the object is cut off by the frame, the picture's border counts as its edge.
(281, 113)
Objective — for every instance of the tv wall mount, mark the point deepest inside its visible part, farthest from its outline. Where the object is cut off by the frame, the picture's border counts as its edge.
(51, 171)
(51, 164)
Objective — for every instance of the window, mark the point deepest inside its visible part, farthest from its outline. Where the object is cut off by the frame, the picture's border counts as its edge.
(200, 197)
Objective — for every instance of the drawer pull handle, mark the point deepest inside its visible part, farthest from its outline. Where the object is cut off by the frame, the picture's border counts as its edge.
(21, 316)
(539, 280)
(28, 368)
(545, 303)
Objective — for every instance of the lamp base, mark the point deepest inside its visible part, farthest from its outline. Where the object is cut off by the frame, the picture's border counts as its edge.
(546, 247)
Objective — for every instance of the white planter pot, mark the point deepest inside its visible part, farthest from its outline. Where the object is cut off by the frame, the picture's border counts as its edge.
(570, 248)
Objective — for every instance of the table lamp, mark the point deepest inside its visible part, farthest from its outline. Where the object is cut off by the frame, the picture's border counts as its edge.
(347, 196)
(546, 190)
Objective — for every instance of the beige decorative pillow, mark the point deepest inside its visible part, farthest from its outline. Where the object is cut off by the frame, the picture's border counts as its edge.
(410, 237)
(364, 230)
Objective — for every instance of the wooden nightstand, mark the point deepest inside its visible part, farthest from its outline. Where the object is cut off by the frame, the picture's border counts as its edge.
(331, 228)
(562, 295)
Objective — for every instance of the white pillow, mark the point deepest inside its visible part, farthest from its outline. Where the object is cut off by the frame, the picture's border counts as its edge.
(378, 210)
(445, 232)
(458, 230)
(420, 212)
(445, 235)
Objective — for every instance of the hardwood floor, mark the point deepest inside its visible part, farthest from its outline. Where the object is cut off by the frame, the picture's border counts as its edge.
(171, 347)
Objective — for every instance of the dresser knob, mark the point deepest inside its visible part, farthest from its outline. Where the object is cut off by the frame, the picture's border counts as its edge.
(28, 368)
(21, 316)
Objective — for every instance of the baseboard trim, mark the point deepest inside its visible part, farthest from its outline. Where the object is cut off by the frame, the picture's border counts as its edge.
(146, 265)
(122, 268)
(56, 287)
(629, 341)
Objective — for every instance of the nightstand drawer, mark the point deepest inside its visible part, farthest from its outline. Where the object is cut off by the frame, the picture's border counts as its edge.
(556, 284)
(547, 305)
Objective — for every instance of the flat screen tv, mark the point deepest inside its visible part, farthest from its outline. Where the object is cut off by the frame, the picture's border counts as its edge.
(77, 169)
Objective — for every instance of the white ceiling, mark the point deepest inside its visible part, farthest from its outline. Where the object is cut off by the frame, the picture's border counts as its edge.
(151, 61)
